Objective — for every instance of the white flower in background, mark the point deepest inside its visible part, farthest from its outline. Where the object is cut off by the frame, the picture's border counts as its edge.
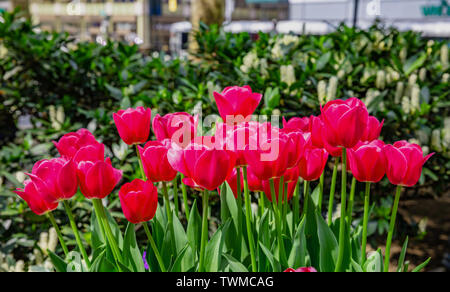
(380, 82)
(446, 133)
(399, 92)
(422, 74)
(445, 78)
(414, 141)
(406, 105)
(423, 136)
(394, 76)
(263, 66)
(57, 116)
(278, 50)
(20, 176)
(321, 91)
(43, 242)
(289, 39)
(444, 56)
(425, 150)
(430, 43)
(370, 96)
(3, 51)
(52, 239)
(403, 54)
(415, 98)
(436, 143)
(38, 258)
(287, 74)
(412, 80)
(120, 150)
(276, 112)
(341, 74)
(20, 266)
(249, 61)
(332, 88)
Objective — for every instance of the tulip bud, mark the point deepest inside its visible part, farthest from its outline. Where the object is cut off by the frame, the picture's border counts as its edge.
(139, 200)
(155, 162)
(133, 125)
(237, 101)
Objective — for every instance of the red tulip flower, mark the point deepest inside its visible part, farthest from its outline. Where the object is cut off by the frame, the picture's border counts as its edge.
(270, 159)
(35, 198)
(97, 179)
(276, 182)
(254, 183)
(93, 152)
(367, 162)
(55, 179)
(133, 125)
(139, 200)
(296, 146)
(180, 128)
(302, 270)
(204, 167)
(154, 159)
(70, 143)
(404, 163)
(312, 163)
(373, 129)
(237, 101)
(296, 124)
(317, 137)
(345, 122)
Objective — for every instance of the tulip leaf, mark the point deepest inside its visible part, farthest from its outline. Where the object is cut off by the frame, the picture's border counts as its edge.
(328, 245)
(131, 254)
(177, 264)
(213, 254)
(312, 239)
(194, 228)
(421, 266)
(232, 206)
(401, 258)
(58, 263)
(297, 257)
(181, 240)
(276, 267)
(356, 266)
(102, 264)
(234, 264)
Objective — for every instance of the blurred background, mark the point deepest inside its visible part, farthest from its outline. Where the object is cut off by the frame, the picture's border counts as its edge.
(70, 64)
(164, 24)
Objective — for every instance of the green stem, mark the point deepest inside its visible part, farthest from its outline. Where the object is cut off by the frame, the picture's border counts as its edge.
(282, 256)
(239, 200)
(175, 194)
(387, 252)
(296, 204)
(204, 235)
(76, 233)
(169, 214)
(248, 219)
(140, 163)
(340, 258)
(285, 207)
(100, 210)
(365, 222)
(351, 201)
(305, 198)
(322, 178)
(332, 189)
(58, 232)
(185, 200)
(261, 202)
(153, 245)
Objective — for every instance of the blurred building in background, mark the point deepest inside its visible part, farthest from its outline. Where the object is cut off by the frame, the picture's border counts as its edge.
(162, 23)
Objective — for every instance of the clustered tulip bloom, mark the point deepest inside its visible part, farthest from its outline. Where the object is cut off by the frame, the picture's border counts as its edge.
(154, 159)
(139, 200)
(70, 143)
(35, 198)
(290, 189)
(404, 163)
(133, 125)
(237, 102)
(180, 128)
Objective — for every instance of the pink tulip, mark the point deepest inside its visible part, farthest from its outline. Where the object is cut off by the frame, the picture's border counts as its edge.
(204, 167)
(97, 179)
(180, 128)
(367, 161)
(270, 159)
(133, 125)
(70, 143)
(317, 137)
(235, 101)
(296, 124)
(154, 160)
(296, 146)
(345, 122)
(139, 200)
(373, 129)
(312, 163)
(35, 198)
(302, 270)
(55, 179)
(404, 163)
